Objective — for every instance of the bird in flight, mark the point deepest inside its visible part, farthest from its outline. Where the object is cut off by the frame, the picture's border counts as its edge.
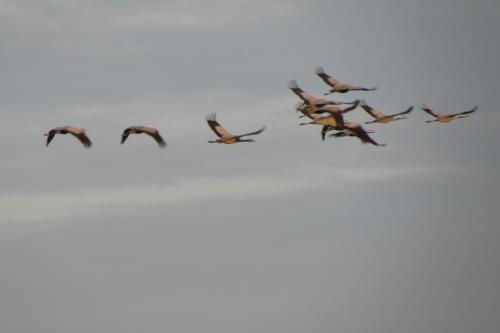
(312, 103)
(381, 117)
(224, 135)
(152, 132)
(446, 117)
(79, 133)
(337, 86)
(355, 129)
(334, 119)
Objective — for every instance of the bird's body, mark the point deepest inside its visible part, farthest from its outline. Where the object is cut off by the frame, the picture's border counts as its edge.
(337, 86)
(446, 117)
(381, 117)
(224, 135)
(152, 132)
(77, 132)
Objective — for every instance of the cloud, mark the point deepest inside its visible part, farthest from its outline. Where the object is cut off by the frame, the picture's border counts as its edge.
(189, 190)
(62, 18)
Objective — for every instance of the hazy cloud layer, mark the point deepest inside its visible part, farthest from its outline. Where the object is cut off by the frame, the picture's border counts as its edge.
(289, 234)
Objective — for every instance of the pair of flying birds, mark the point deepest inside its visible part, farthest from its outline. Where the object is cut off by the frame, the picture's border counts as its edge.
(312, 106)
(224, 135)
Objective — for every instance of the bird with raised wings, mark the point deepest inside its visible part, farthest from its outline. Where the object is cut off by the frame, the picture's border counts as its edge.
(79, 133)
(446, 117)
(312, 103)
(337, 86)
(152, 132)
(381, 117)
(224, 135)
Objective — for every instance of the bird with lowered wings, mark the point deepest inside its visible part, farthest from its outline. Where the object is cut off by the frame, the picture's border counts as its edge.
(78, 133)
(152, 132)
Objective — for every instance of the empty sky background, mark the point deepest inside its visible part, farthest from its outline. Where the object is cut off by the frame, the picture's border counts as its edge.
(289, 234)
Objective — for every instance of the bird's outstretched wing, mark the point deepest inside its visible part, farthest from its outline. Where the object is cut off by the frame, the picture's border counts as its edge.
(362, 134)
(306, 97)
(431, 111)
(216, 127)
(157, 137)
(125, 135)
(404, 112)
(328, 79)
(374, 113)
(50, 136)
(83, 139)
(466, 112)
(253, 133)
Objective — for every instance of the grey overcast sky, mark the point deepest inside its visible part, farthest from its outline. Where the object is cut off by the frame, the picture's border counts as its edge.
(289, 234)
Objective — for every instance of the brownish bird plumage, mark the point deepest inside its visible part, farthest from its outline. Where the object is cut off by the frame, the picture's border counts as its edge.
(381, 117)
(337, 86)
(152, 132)
(78, 133)
(224, 135)
(446, 117)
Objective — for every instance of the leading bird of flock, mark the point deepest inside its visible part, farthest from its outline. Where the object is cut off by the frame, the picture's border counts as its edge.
(152, 132)
(79, 133)
(225, 136)
(446, 117)
(337, 86)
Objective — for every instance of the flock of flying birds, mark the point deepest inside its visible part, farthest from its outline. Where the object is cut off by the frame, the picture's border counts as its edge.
(311, 106)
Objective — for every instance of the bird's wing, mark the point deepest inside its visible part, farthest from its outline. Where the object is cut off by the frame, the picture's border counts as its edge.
(306, 97)
(336, 113)
(50, 136)
(216, 127)
(125, 135)
(431, 111)
(363, 135)
(350, 108)
(157, 137)
(404, 112)
(374, 113)
(253, 133)
(325, 77)
(467, 112)
(325, 129)
(83, 138)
